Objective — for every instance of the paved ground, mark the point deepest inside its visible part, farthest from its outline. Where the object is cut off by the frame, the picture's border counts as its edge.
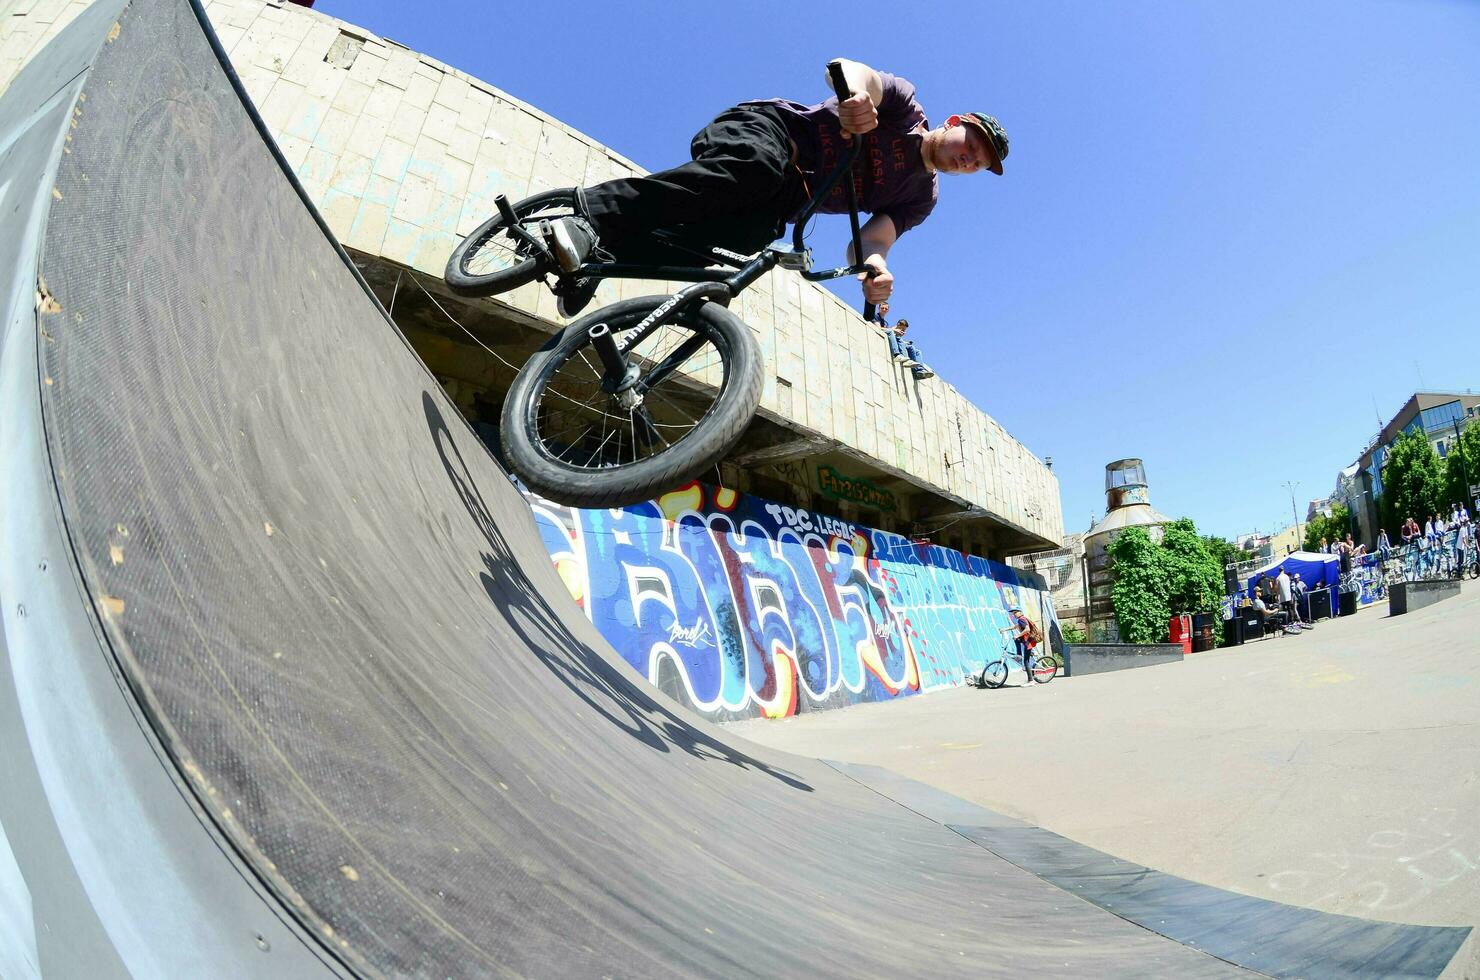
(1335, 770)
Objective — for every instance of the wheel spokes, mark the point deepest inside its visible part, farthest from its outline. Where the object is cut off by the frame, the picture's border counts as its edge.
(582, 423)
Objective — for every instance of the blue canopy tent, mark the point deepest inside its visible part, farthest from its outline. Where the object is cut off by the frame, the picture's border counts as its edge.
(1316, 570)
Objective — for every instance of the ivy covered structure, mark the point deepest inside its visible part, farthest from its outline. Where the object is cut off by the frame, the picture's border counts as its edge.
(1127, 505)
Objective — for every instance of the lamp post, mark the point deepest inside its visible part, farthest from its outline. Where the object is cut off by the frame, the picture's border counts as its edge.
(1290, 485)
(1464, 466)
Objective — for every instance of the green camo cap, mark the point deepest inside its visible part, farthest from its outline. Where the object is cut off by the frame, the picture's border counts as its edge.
(989, 127)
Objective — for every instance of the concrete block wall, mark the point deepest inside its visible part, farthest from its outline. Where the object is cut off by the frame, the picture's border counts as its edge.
(740, 607)
(26, 26)
(404, 155)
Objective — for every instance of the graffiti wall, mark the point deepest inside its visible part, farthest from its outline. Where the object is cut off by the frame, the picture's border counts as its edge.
(742, 607)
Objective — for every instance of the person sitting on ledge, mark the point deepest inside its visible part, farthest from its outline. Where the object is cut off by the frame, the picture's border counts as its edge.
(903, 351)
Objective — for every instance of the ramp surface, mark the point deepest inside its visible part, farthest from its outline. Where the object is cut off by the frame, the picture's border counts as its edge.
(332, 616)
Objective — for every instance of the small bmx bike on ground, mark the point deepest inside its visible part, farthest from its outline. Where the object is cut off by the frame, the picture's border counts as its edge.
(1040, 667)
(644, 394)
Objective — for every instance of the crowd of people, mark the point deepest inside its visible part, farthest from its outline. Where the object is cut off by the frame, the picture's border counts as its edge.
(1441, 542)
(1433, 538)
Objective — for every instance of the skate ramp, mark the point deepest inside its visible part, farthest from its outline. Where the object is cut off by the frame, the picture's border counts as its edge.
(292, 687)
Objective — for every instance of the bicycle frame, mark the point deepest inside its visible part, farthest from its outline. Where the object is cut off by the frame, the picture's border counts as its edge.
(1009, 650)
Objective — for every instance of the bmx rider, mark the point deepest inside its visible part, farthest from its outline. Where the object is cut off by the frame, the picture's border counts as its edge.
(752, 167)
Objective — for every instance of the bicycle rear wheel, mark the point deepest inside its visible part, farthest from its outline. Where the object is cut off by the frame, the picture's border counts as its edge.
(492, 260)
(994, 674)
(573, 441)
(1043, 669)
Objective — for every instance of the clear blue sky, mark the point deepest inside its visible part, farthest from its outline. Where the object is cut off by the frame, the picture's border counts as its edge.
(1230, 235)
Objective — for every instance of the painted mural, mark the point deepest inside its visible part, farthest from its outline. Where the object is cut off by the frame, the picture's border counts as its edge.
(742, 607)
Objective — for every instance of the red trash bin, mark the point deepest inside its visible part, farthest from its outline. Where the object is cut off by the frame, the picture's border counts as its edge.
(1180, 631)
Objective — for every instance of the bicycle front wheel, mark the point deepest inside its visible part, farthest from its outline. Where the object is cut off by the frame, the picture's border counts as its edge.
(1043, 669)
(493, 260)
(994, 674)
(575, 442)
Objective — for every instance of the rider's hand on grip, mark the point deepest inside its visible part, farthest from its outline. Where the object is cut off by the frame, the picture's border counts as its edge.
(877, 280)
(857, 116)
(856, 113)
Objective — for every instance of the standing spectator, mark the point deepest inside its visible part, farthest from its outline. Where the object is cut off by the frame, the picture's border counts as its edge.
(1423, 535)
(1298, 587)
(1325, 548)
(1286, 596)
(1344, 565)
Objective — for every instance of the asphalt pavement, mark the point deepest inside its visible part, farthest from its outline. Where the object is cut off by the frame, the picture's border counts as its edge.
(1334, 770)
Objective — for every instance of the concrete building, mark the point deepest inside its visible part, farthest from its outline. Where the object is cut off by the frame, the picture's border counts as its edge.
(1063, 573)
(1283, 541)
(403, 155)
(1440, 415)
(1128, 504)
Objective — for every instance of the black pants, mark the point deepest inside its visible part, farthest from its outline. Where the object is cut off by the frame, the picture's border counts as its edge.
(738, 192)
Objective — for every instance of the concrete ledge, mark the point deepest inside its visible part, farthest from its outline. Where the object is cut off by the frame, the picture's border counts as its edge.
(1096, 658)
(1408, 596)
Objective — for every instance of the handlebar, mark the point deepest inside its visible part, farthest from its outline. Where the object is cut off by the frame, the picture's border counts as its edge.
(839, 80)
(840, 86)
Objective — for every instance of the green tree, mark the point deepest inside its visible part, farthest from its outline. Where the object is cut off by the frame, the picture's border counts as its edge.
(1463, 461)
(1141, 588)
(1223, 551)
(1194, 575)
(1412, 481)
(1181, 574)
(1333, 528)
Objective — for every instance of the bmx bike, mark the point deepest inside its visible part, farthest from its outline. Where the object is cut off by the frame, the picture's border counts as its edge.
(1040, 667)
(647, 393)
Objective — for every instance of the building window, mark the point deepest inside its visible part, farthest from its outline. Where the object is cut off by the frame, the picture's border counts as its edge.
(1442, 416)
(1443, 450)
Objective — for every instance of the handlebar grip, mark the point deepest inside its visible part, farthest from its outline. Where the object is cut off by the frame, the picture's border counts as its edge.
(839, 80)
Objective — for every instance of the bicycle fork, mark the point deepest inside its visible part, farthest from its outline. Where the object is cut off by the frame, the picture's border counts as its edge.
(624, 379)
